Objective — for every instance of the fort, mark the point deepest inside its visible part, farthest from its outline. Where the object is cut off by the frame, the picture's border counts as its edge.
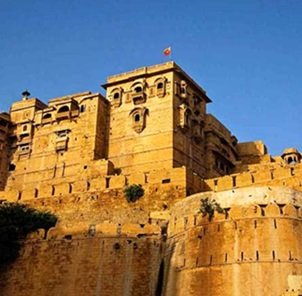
(75, 155)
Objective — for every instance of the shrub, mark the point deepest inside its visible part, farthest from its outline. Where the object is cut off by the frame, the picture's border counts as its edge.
(208, 207)
(134, 192)
(16, 221)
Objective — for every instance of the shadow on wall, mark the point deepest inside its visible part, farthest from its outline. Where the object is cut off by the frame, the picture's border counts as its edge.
(16, 222)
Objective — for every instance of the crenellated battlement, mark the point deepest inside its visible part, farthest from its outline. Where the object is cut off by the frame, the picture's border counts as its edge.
(260, 229)
(273, 175)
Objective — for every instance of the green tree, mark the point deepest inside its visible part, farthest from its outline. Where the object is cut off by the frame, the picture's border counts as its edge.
(16, 221)
(134, 192)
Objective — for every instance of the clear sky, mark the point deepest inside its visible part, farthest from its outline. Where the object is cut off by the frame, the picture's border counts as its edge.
(245, 53)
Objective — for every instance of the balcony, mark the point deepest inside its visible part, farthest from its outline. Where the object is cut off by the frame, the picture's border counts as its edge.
(47, 118)
(63, 115)
(138, 97)
(61, 144)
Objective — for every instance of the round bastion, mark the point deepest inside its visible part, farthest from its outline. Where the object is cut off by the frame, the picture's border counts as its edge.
(252, 248)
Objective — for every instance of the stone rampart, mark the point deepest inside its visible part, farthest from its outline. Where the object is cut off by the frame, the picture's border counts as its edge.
(287, 176)
(163, 179)
(255, 244)
(103, 259)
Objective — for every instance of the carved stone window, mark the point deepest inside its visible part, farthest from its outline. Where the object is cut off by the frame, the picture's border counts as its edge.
(138, 95)
(24, 148)
(82, 108)
(291, 156)
(161, 87)
(63, 113)
(183, 89)
(138, 89)
(116, 97)
(47, 118)
(62, 140)
(139, 119)
(184, 117)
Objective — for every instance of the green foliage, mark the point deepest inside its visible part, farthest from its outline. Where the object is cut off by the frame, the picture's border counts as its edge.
(134, 192)
(208, 207)
(16, 221)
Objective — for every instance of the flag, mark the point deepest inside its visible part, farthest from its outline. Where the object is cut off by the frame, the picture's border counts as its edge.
(167, 51)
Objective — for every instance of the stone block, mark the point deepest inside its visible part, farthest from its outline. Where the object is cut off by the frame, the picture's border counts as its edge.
(136, 178)
(79, 186)
(98, 184)
(107, 228)
(117, 182)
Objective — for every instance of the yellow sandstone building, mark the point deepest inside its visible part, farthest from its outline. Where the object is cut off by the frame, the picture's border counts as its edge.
(76, 154)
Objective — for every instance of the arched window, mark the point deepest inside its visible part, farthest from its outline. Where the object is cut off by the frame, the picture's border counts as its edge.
(82, 108)
(63, 109)
(24, 128)
(46, 116)
(160, 85)
(138, 89)
(116, 95)
(137, 117)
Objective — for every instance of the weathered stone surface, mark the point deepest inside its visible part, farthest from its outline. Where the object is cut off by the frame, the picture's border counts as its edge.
(75, 155)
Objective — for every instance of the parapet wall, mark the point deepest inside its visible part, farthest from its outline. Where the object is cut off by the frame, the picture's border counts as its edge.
(66, 186)
(287, 176)
(255, 244)
(99, 260)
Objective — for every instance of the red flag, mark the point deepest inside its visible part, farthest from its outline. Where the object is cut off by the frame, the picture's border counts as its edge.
(167, 51)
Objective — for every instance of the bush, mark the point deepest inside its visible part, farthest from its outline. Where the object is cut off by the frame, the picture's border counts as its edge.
(134, 192)
(16, 221)
(208, 207)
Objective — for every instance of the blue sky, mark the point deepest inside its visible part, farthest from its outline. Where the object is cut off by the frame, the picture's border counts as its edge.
(246, 54)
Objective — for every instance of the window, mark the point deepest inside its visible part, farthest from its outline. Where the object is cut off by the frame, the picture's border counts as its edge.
(82, 108)
(138, 89)
(11, 167)
(62, 133)
(116, 96)
(24, 148)
(137, 117)
(183, 88)
(46, 116)
(63, 109)
(160, 85)
(24, 128)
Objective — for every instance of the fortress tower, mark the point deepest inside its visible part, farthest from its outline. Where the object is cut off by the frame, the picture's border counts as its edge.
(158, 120)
